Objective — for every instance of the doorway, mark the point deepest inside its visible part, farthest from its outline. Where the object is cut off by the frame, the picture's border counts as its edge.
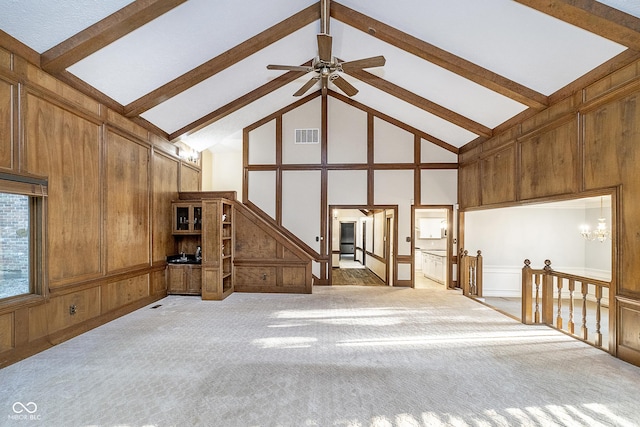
(361, 245)
(432, 246)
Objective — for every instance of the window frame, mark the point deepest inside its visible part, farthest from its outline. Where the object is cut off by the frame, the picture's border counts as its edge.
(36, 188)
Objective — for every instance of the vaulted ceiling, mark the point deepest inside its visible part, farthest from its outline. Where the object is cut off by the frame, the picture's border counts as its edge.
(195, 70)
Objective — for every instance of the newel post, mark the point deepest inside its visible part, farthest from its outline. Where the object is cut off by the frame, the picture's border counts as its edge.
(479, 274)
(464, 272)
(527, 293)
(547, 293)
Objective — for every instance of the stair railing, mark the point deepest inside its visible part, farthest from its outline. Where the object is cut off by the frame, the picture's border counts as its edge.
(470, 274)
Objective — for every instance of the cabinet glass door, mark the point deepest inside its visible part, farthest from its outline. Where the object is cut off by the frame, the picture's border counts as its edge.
(197, 218)
(182, 218)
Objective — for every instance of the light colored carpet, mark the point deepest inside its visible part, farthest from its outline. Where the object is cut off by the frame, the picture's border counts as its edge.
(343, 356)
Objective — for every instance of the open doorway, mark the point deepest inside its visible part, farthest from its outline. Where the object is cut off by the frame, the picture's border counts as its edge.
(362, 245)
(432, 246)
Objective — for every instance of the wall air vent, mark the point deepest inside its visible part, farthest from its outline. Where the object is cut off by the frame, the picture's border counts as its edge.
(307, 136)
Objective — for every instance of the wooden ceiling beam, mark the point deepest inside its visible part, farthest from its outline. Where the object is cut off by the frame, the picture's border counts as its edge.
(224, 60)
(104, 32)
(427, 137)
(593, 16)
(422, 103)
(237, 104)
(440, 57)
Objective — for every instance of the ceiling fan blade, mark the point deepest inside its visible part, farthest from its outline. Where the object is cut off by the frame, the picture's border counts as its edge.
(345, 86)
(325, 84)
(290, 68)
(324, 47)
(306, 86)
(374, 61)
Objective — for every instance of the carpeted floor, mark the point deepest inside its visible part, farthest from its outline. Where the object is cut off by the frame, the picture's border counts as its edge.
(343, 356)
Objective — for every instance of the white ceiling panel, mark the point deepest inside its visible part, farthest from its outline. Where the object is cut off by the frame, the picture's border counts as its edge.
(177, 42)
(426, 79)
(521, 44)
(526, 46)
(234, 82)
(43, 24)
(632, 7)
(411, 115)
(228, 129)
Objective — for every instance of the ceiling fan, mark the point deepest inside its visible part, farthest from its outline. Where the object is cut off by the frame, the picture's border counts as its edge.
(327, 67)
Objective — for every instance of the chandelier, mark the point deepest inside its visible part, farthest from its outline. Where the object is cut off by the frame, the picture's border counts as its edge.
(601, 233)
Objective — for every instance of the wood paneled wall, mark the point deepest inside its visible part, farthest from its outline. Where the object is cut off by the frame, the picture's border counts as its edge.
(108, 209)
(584, 145)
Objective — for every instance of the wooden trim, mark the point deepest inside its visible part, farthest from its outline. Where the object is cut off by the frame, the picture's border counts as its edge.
(594, 17)
(614, 64)
(104, 32)
(225, 60)
(439, 57)
(370, 159)
(16, 46)
(422, 103)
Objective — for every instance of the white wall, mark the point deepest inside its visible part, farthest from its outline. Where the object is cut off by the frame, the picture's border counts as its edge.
(222, 171)
(508, 236)
(348, 184)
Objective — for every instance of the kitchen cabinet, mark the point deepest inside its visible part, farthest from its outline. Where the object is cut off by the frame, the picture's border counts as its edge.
(184, 279)
(187, 218)
(434, 265)
(431, 228)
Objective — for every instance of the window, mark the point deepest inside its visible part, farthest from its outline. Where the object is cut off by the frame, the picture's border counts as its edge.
(21, 225)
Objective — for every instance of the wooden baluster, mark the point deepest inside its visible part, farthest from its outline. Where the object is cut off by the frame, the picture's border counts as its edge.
(479, 274)
(526, 294)
(570, 324)
(585, 331)
(559, 315)
(472, 277)
(598, 338)
(537, 316)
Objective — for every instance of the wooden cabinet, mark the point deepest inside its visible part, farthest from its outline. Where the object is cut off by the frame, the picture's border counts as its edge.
(187, 218)
(184, 279)
(218, 244)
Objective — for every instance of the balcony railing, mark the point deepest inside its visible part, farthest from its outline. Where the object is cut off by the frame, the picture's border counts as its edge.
(561, 300)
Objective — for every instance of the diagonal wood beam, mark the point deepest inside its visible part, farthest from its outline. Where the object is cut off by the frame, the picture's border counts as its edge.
(440, 57)
(427, 137)
(104, 32)
(422, 103)
(593, 16)
(224, 60)
(238, 103)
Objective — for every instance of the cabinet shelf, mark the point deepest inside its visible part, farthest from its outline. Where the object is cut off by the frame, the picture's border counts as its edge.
(218, 249)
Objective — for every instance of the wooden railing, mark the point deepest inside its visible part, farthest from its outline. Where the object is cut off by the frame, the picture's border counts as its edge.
(544, 297)
(470, 273)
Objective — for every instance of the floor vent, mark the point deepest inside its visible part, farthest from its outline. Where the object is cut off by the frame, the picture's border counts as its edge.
(307, 136)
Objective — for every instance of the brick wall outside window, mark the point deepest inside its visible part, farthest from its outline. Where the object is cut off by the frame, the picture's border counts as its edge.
(14, 245)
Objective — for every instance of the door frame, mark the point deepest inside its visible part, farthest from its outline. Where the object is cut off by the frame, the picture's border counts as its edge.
(451, 257)
(391, 264)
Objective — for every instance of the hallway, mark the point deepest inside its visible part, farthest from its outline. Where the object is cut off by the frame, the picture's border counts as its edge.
(346, 355)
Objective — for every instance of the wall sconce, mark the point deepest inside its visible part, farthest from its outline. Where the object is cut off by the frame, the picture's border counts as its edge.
(189, 155)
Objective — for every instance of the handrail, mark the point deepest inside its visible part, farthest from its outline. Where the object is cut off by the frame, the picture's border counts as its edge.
(470, 273)
(543, 295)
